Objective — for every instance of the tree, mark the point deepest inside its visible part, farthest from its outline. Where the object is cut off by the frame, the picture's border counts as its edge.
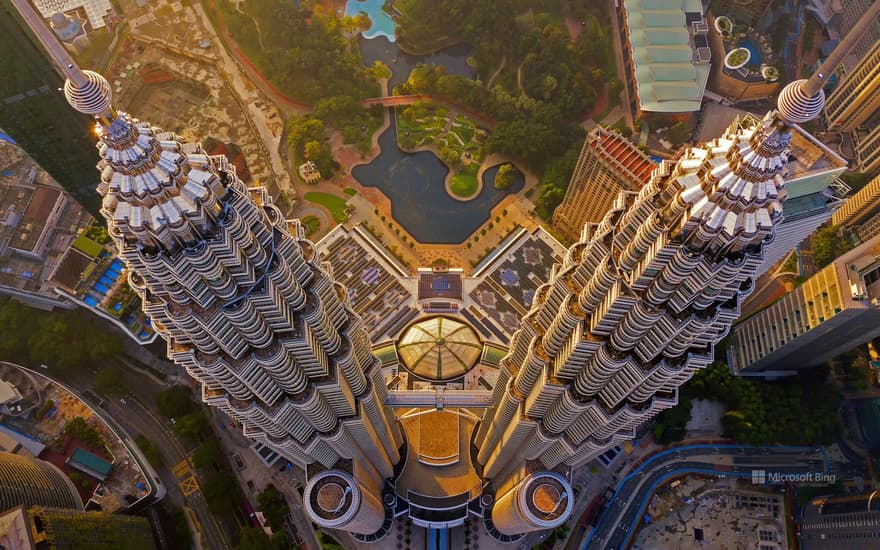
(271, 502)
(679, 133)
(78, 428)
(302, 130)
(208, 454)
(150, 451)
(450, 156)
(827, 246)
(505, 177)
(109, 380)
(221, 492)
(175, 402)
(192, 425)
(338, 110)
(312, 150)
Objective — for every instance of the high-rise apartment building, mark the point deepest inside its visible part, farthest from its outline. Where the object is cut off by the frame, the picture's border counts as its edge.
(236, 291)
(608, 164)
(868, 150)
(34, 482)
(856, 101)
(832, 312)
(858, 208)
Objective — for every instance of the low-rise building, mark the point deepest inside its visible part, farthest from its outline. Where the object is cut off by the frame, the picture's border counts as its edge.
(309, 172)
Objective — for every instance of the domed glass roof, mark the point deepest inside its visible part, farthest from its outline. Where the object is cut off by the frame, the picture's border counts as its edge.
(439, 348)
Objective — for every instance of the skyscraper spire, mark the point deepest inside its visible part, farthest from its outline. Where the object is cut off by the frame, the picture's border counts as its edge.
(639, 302)
(243, 302)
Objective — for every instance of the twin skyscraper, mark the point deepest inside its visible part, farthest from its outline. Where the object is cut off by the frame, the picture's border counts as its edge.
(250, 311)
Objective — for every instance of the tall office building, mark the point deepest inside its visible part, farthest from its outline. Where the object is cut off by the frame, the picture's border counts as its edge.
(36, 115)
(638, 304)
(34, 482)
(859, 207)
(608, 164)
(832, 312)
(246, 309)
(868, 150)
(856, 101)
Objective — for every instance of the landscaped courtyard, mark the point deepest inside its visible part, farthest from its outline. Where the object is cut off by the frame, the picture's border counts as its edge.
(455, 138)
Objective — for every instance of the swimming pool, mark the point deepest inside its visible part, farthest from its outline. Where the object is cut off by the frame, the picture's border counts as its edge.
(382, 24)
(754, 50)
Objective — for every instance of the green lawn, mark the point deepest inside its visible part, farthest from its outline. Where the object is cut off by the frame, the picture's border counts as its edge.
(312, 224)
(350, 191)
(334, 204)
(464, 182)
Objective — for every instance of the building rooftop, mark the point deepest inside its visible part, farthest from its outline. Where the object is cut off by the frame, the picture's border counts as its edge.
(90, 463)
(670, 67)
(439, 348)
(620, 151)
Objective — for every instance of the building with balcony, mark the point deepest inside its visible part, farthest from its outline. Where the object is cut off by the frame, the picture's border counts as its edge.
(666, 54)
(855, 101)
(859, 207)
(608, 164)
(831, 313)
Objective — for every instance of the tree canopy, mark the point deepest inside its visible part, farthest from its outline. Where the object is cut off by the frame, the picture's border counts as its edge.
(302, 52)
(506, 176)
(62, 339)
(176, 401)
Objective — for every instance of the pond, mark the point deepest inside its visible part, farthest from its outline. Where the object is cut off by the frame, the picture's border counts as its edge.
(382, 24)
(754, 50)
(453, 59)
(419, 202)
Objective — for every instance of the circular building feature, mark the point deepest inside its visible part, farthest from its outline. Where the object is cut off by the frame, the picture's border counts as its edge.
(34, 482)
(439, 348)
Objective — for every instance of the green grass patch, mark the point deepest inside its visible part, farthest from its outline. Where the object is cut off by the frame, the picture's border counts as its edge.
(334, 204)
(87, 246)
(350, 191)
(464, 183)
(312, 224)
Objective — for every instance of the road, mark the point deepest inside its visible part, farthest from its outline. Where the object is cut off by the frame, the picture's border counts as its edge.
(257, 118)
(624, 510)
(135, 418)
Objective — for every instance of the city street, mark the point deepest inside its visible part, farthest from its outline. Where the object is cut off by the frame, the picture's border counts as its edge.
(135, 418)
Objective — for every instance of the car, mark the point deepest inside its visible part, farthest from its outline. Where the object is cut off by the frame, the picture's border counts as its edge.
(122, 401)
(173, 421)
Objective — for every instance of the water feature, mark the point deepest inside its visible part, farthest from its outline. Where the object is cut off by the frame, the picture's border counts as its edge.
(419, 202)
(453, 59)
(382, 24)
(754, 50)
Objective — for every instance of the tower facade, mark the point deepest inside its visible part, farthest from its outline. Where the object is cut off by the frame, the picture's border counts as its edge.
(241, 298)
(859, 207)
(831, 313)
(35, 482)
(638, 303)
(608, 164)
(855, 101)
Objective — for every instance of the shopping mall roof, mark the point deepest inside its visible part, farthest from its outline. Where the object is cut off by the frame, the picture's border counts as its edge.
(669, 52)
(439, 348)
